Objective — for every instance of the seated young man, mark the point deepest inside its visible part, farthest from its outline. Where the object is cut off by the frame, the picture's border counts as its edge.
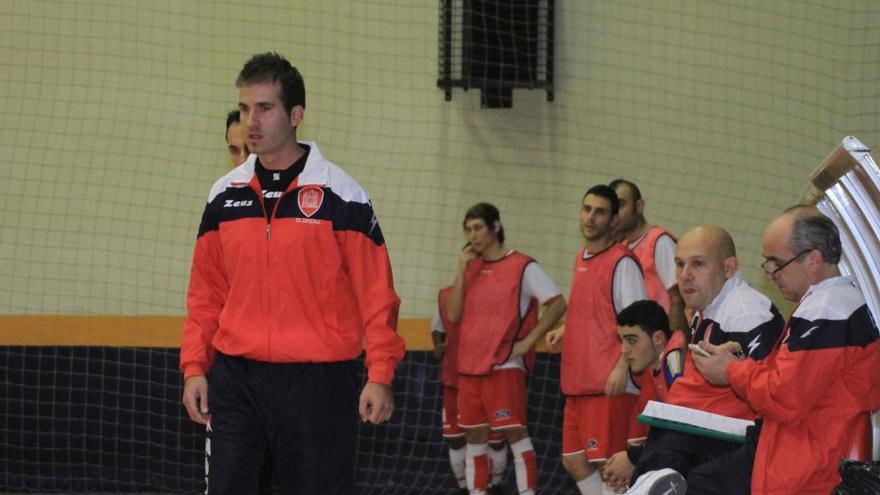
(653, 353)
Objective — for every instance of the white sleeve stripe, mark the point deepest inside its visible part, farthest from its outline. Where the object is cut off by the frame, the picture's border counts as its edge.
(664, 259)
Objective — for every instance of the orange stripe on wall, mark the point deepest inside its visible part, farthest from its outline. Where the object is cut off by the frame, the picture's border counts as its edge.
(136, 331)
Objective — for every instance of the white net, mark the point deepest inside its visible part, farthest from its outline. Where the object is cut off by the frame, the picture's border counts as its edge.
(111, 133)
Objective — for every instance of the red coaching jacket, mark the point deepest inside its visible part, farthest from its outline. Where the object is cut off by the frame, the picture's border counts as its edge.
(313, 284)
(812, 391)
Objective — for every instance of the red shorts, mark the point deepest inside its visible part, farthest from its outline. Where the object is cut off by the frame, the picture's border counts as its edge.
(450, 413)
(497, 400)
(596, 425)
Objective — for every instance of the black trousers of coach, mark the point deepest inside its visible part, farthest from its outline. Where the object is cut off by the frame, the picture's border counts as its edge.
(710, 466)
(304, 413)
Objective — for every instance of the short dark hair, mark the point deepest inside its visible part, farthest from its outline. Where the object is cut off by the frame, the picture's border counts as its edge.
(647, 315)
(231, 118)
(273, 67)
(813, 230)
(488, 213)
(606, 192)
(636, 193)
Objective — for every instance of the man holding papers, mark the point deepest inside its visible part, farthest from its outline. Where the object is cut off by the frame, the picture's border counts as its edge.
(728, 312)
(820, 381)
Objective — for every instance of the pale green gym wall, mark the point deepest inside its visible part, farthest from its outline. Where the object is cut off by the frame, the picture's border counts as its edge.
(112, 129)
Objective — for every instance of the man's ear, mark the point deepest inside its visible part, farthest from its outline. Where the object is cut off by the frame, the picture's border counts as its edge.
(730, 266)
(814, 258)
(296, 115)
(640, 207)
(658, 338)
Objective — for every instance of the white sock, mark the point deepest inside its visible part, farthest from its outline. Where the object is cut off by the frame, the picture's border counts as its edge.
(526, 466)
(499, 463)
(591, 485)
(456, 461)
(480, 468)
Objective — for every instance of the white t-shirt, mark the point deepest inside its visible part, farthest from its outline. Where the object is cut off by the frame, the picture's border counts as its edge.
(664, 260)
(628, 284)
(436, 321)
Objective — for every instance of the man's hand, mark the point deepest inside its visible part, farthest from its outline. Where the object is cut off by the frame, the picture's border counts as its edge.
(734, 348)
(616, 381)
(377, 403)
(467, 254)
(554, 339)
(618, 471)
(714, 367)
(195, 398)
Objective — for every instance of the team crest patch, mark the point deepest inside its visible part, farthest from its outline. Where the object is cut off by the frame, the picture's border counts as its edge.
(310, 200)
(592, 443)
(502, 414)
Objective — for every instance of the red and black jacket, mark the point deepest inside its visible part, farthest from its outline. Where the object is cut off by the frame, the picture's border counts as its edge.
(309, 282)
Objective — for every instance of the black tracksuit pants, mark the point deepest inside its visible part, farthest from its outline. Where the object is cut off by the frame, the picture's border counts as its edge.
(305, 414)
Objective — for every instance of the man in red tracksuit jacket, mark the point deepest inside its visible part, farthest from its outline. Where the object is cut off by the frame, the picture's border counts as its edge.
(290, 282)
(820, 381)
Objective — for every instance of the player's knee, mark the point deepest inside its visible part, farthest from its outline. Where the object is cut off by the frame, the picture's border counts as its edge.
(497, 444)
(477, 435)
(456, 442)
(576, 466)
(513, 435)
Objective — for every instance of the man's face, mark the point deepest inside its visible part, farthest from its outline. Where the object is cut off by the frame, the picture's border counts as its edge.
(479, 235)
(235, 143)
(638, 348)
(628, 215)
(700, 270)
(793, 280)
(596, 219)
(268, 126)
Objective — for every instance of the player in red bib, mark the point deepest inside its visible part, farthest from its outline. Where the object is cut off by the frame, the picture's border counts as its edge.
(495, 299)
(444, 335)
(655, 352)
(607, 278)
(654, 247)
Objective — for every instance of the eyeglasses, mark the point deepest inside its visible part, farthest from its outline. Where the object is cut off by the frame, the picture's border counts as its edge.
(771, 269)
